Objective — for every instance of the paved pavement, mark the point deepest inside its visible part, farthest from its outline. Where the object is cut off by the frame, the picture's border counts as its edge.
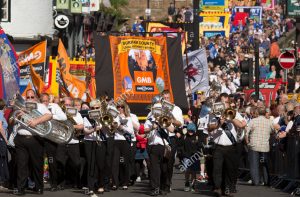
(141, 189)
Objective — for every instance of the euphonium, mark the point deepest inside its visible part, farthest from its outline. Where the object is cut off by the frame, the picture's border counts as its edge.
(53, 130)
(163, 114)
(229, 114)
(108, 114)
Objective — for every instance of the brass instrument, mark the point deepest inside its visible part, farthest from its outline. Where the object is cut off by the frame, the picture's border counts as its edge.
(56, 131)
(163, 114)
(108, 114)
(218, 109)
(96, 116)
(229, 114)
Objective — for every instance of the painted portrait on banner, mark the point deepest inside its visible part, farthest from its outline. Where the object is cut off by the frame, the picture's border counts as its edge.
(140, 65)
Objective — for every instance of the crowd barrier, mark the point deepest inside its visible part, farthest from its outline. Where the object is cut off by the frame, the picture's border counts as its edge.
(284, 165)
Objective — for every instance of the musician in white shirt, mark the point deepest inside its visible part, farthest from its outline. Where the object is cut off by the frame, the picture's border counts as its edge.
(71, 150)
(50, 146)
(122, 142)
(177, 122)
(30, 148)
(95, 150)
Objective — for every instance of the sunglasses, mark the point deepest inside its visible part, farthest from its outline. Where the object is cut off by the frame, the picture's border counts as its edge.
(120, 107)
(45, 101)
(95, 107)
(30, 97)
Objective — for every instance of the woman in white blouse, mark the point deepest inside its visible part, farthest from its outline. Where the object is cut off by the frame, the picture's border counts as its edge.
(121, 155)
(95, 151)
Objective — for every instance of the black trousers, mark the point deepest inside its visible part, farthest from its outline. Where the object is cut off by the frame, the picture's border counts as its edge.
(120, 167)
(96, 158)
(132, 171)
(171, 161)
(51, 148)
(64, 153)
(224, 161)
(12, 166)
(158, 166)
(29, 152)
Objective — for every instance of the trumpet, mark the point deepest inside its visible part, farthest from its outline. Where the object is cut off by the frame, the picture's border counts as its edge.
(229, 114)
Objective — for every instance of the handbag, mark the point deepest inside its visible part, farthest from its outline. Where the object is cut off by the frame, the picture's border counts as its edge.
(167, 150)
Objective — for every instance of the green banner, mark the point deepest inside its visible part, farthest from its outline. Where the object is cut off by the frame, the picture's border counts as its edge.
(76, 6)
(293, 8)
(62, 4)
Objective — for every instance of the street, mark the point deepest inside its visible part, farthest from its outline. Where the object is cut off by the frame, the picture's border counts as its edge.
(142, 189)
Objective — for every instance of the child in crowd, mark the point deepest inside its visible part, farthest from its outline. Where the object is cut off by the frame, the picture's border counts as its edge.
(191, 156)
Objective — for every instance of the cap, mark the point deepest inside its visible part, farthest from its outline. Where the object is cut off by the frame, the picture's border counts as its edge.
(191, 127)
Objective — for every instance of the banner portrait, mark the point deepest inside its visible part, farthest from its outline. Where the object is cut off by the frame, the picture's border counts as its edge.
(137, 66)
(9, 67)
(35, 56)
(293, 8)
(140, 65)
(196, 70)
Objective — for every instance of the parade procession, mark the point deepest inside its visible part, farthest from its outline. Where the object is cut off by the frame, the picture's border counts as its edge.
(149, 98)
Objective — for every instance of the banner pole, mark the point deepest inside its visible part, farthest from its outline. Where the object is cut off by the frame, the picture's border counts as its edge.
(190, 103)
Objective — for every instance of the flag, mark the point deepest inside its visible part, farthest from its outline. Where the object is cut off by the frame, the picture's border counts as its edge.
(53, 87)
(10, 73)
(75, 87)
(35, 56)
(28, 87)
(92, 88)
(76, 6)
(37, 82)
(94, 5)
(62, 4)
(196, 70)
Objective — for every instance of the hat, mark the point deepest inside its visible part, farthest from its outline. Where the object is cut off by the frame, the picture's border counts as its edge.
(191, 127)
(232, 62)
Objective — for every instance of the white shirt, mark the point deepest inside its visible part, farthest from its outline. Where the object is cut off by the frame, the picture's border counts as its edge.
(79, 120)
(57, 112)
(134, 120)
(154, 136)
(219, 136)
(92, 136)
(177, 114)
(40, 108)
(127, 128)
(203, 123)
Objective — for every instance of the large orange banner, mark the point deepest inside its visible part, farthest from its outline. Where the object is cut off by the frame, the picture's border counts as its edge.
(140, 68)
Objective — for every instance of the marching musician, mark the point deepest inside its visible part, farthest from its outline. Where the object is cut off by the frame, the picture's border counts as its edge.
(95, 151)
(224, 134)
(177, 122)
(30, 148)
(122, 143)
(50, 146)
(71, 150)
(136, 127)
(158, 142)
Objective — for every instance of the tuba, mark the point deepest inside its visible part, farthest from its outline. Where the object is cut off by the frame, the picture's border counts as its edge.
(55, 131)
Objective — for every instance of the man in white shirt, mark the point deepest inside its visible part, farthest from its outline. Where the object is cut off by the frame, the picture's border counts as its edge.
(30, 148)
(177, 122)
(71, 150)
(50, 146)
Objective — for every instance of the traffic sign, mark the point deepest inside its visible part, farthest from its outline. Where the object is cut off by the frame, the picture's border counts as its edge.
(287, 60)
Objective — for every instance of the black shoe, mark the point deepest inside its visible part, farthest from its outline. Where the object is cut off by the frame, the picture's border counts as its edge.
(162, 192)
(53, 189)
(217, 193)
(38, 191)
(154, 192)
(106, 189)
(114, 188)
(60, 187)
(19, 192)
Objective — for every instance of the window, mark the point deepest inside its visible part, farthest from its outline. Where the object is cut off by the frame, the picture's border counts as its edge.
(6, 11)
